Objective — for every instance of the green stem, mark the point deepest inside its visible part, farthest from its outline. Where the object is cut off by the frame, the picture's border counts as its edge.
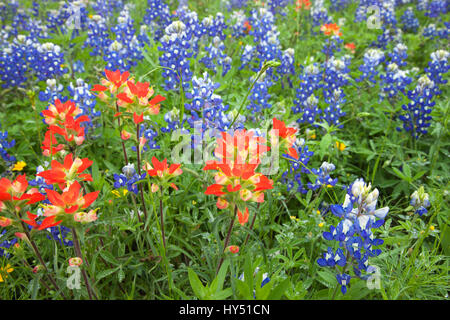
(227, 240)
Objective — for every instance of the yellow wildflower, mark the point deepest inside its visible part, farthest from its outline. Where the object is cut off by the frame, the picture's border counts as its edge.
(19, 166)
(340, 145)
(4, 272)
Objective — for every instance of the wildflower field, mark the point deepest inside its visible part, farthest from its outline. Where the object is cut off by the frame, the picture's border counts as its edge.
(224, 150)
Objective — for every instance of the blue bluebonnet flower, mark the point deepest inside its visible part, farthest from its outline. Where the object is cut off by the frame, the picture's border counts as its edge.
(247, 56)
(86, 101)
(59, 234)
(422, 5)
(215, 26)
(48, 61)
(98, 35)
(277, 6)
(207, 107)
(128, 179)
(438, 66)
(5, 245)
(430, 31)
(237, 23)
(4, 145)
(416, 116)
(236, 4)
(216, 56)
(126, 50)
(336, 77)
(78, 66)
(293, 176)
(52, 91)
(287, 67)
(14, 61)
(420, 201)
(176, 53)
(157, 17)
(310, 110)
(409, 20)
(194, 28)
(39, 182)
(436, 8)
(339, 5)
(172, 118)
(323, 178)
(394, 81)
(372, 59)
(107, 8)
(319, 13)
(399, 54)
(443, 32)
(343, 280)
(306, 103)
(149, 133)
(354, 232)
(332, 45)
(259, 95)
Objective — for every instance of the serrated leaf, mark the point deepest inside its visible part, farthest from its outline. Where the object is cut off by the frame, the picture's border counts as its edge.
(327, 278)
(105, 273)
(109, 257)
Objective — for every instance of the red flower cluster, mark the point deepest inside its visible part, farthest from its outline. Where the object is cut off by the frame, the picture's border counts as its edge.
(132, 95)
(66, 173)
(302, 4)
(331, 29)
(237, 182)
(162, 172)
(287, 136)
(63, 119)
(14, 197)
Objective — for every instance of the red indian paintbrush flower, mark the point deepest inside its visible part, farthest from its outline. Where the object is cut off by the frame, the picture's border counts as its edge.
(331, 29)
(242, 147)
(238, 185)
(162, 172)
(50, 145)
(67, 206)
(71, 129)
(350, 46)
(302, 4)
(114, 80)
(136, 99)
(66, 173)
(16, 191)
(57, 113)
(287, 136)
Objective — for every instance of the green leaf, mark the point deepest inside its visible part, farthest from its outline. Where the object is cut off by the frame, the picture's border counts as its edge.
(327, 278)
(218, 281)
(120, 275)
(407, 170)
(196, 284)
(279, 290)
(400, 174)
(419, 174)
(109, 257)
(324, 144)
(243, 289)
(106, 273)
